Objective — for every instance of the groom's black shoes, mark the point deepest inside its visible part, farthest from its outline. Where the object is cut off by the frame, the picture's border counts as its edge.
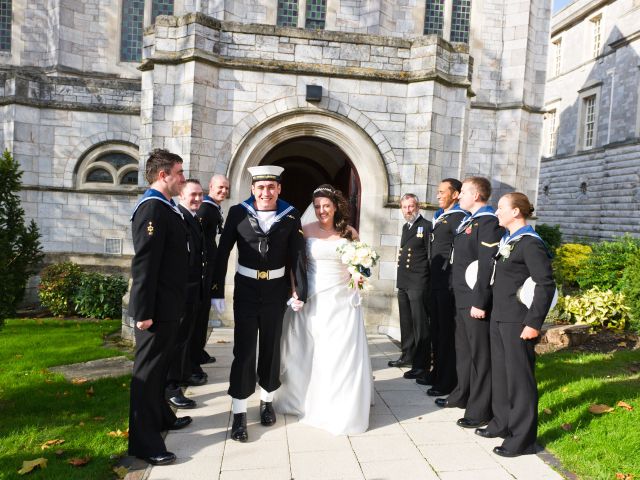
(267, 414)
(401, 362)
(415, 373)
(239, 427)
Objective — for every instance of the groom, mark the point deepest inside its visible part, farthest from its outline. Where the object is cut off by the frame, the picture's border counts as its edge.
(269, 237)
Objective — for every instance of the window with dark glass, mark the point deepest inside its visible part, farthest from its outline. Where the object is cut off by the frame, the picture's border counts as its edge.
(130, 178)
(434, 17)
(161, 7)
(5, 25)
(99, 175)
(132, 27)
(115, 168)
(315, 14)
(287, 13)
(460, 20)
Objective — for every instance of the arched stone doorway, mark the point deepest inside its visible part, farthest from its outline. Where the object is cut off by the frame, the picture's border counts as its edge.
(310, 162)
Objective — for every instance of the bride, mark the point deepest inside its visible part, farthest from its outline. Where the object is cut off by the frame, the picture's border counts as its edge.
(325, 369)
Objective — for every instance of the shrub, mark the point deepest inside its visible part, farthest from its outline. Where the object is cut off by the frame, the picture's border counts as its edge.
(100, 296)
(58, 285)
(630, 287)
(568, 261)
(20, 250)
(598, 308)
(605, 265)
(550, 234)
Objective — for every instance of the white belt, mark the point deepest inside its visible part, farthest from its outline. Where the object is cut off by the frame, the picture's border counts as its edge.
(261, 274)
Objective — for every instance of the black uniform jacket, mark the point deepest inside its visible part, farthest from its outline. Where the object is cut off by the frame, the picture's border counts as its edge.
(444, 229)
(282, 246)
(477, 241)
(528, 258)
(197, 258)
(159, 267)
(211, 220)
(413, 256)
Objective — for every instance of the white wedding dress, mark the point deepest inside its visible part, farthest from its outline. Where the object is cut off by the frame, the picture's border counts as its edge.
(325, 369)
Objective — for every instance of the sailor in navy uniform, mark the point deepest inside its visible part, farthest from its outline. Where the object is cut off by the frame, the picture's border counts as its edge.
(412, 281)
(476, 242)
(442, 302)
(269, 239)
(159, 278)
(515, 326)
(211, 217)
(180, 367)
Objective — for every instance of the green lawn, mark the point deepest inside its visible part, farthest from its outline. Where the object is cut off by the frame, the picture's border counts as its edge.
(592, 446)
(37, 406)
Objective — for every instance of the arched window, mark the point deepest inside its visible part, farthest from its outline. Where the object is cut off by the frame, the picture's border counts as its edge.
(287, 13)
(460, 19)
(434, 17)
(5, 25)
(315, 14)
(109, 166)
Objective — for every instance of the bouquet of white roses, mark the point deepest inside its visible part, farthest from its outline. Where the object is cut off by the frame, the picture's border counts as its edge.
(359, 257)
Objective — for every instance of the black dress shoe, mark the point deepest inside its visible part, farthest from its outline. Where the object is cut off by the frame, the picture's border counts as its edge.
(432, 392)
(401, 362)
(503, 452)
(442, 402)
(467, 423)
(180, 401)
(181, 423)
(197, 379)
(267, 414)
(239, 427)
(210, 360)
(164, 458)
(415, 373)
(485, 433)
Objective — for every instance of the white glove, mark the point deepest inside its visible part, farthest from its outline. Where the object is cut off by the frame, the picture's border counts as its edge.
(218, 304)
(295, 304)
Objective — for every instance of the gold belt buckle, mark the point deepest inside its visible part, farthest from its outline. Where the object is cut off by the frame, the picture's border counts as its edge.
(263, 274)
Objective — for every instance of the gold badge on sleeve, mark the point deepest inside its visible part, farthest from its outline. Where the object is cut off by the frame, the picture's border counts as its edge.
(150, 228)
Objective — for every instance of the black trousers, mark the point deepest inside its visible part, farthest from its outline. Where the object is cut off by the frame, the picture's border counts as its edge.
(515, 393)
(252, 319)
(414, 327)
(473, 366)
(180, 363)
(442, 322)
(197, 354)
(149, 413)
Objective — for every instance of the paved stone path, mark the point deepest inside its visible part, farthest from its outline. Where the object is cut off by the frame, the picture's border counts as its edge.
(409, 438)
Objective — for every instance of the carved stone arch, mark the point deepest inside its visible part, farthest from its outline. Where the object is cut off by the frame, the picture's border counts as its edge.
(357, 143)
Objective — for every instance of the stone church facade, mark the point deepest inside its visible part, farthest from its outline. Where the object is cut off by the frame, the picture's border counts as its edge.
(379, 98)
(590, 169)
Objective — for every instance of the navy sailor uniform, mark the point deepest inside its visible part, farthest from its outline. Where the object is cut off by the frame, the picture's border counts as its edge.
(158, 292)
(259, 303)
(476, 238)
(515, 394)
(442, 301)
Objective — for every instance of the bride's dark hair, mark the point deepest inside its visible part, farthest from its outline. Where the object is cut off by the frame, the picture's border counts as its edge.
(341, 217)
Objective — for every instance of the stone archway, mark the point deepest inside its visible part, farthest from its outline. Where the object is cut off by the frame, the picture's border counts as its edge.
(346, 136)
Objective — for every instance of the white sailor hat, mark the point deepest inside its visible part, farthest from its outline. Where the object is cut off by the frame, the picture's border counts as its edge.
(265, 172)
(525, 293)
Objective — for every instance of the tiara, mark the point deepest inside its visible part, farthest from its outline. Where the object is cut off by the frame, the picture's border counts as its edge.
(323, 189)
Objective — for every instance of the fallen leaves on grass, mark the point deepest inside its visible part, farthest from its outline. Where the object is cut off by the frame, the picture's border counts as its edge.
(59, 452)
(547, 411)
(600, 408)
(119, 434)
(29, 465)
(624, 476)
(566, 427)
(79, 461)
(51, 443)
(624, 405)
(79, 381)
(90, 391)
(121, 472)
